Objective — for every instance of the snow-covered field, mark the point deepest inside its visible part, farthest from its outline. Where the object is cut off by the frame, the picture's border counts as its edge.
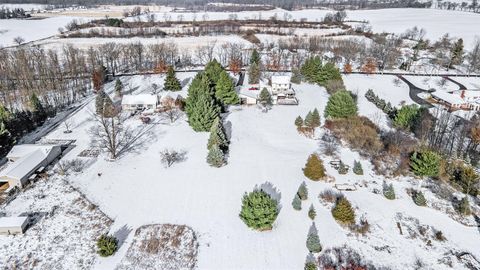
(265, 149)
(427, 83)
(468, 82)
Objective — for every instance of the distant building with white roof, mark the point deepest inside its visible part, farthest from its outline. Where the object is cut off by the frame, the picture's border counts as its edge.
(139, 102)
(280, 89)
(13, 225)
(24, 161)
(459, 99)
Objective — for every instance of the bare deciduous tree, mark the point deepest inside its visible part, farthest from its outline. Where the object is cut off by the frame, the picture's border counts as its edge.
(170, 157)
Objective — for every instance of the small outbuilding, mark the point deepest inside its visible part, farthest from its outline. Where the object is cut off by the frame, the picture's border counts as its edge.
(139, 102)
(13, 225)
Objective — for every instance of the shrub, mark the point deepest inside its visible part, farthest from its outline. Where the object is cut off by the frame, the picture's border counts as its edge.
(314, 169)
(406, 116)
(334, 86)
(311, 212)
(297, 202)
(343, 212)
(329, 195)
(357, 168)
(464, 206)
(310, 266)
(107, 245)
(313, 242)
(439, 236)
(342, 168)
(425, 163)
(303, 191)
(341, 105)
(388, 191)
(465, 177)
(419, 199)
(169, 157)
(259, 210)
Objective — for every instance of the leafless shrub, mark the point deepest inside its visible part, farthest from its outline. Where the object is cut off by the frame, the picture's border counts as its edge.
(170, 157)
(65, 166)
(329, 195)
(343, 258)
(363, 227)
(171, 110)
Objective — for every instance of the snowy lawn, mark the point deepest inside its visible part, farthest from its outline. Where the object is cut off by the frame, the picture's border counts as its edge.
(468, 82)
(265, 149)
(427, 83)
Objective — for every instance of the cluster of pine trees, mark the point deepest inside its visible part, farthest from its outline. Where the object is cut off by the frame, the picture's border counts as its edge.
(313, 71)
(386, 107)
(312, 121)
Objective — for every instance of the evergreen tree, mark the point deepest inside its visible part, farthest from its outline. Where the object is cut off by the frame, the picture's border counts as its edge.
(299, 122)
(309, 122)
(215, 157)
(118, 88)
(341, 105)
(255, 57)
(107, 245)
(297, 202)
(315, 118)
(311, 68)
(265, 97)
(303, 191)
(225, 90)
(296, 76)
(419, 199)
(313, 242)
(217, 136)
(343, 211)
(310, 266)
(35, 104)
(99, 101)
(204, 114)
(311, 212)
(6, 140)
(425, 163)
(406, 116)
(457, 53)
(342, 169)
(314, 169)
(388, 191)
(328, 72)
(5, 115)
(104, 105)
(254, 73)
(259, 210)
(200, 83)
(213, 69)
(171, 82)
(357, 168)
(464, 206)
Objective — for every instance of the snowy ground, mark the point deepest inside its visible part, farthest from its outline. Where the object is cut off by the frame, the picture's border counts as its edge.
(427, 83)
(468, 82)
(265, 148)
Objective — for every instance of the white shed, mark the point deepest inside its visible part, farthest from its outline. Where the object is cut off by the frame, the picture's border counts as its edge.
(139, 102)
(13, 225)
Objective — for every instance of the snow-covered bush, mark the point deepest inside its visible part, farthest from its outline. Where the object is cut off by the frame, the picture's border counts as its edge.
(297, 203)
(107, 245)
(388, 191)
(357, 168)
(418, 198)
(311, 212)
(329, 195)
(310, 266)
(303, 191)
(170, 157)
(259, 210)
(464, 206)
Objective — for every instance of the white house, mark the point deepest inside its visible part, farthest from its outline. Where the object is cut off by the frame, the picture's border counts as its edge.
(13, 225)
(280, 89)
(459, 99)
(139, 102)
(24, 160)
(280, 83)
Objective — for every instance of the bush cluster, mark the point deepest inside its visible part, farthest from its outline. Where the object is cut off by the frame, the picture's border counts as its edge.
(386, 107)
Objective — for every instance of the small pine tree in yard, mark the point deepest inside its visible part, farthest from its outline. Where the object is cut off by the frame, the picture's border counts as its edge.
(314, 169)
(107, 245)
(315, 118)
(216, 157)
(464, 206)
(118, 88)
(419, 199)
(406, 116)
(310, 266)
(296, 76)
(204, 112)
(341, 105)
(254, 73)
(342, 169)
(225, 91)
(311, 212)
(171, 81)
(303, 191)
(259, 210)
(425, 163)
(388, 191)
(217, 136)
(265, 98)
(343, 211)
(309, 122)
(297, 203)
(299, 122)
(313, 242)
(357, 168)
(255, 57)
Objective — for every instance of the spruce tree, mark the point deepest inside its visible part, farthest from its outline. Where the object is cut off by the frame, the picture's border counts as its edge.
(343, 211)
(265, 98)
(310, 266)
(309, 121)
(213, 69)
(255, 57)
(341, 105)
(225, 90)
(107, 245)
(388, 191)
(311, 68)
(342, 169)
(35, 104)
(313, 242)
(464, 206)
(297, 202)
(215, 157)
(303, 191)
(296, 76)
(328, 72)
(118, 88)
(6, 140)
(171, 82)
(311, 212)
(299, 122)
(315, 118)
(314, 169)
(217, 136)
(259, 210)
(199, 84)
(425, 163)
(254, 73)
(204, 113)
(457, 53)
(357, 168)
(419, 199)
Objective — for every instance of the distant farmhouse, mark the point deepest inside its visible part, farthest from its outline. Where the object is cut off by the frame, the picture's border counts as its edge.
(280, 89)
(24, 161)
(459, 99)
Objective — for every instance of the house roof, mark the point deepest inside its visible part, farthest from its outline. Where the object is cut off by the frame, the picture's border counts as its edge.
(6, 222)
(22, 150)
(447, 97)
(280, 79)
(244, 91)
(141, 99)
(23, 166)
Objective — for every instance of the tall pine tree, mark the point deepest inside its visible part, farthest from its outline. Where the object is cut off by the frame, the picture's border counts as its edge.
(217, 136)
(225, 90)
(171, 81)
(255, 57)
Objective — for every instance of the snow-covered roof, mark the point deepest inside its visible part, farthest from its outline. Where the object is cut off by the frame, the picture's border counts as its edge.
(447, 97)
(21, 150)
(7, 222)
(141, 99)
(244, 91)
(23, 166)
(280, 79)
